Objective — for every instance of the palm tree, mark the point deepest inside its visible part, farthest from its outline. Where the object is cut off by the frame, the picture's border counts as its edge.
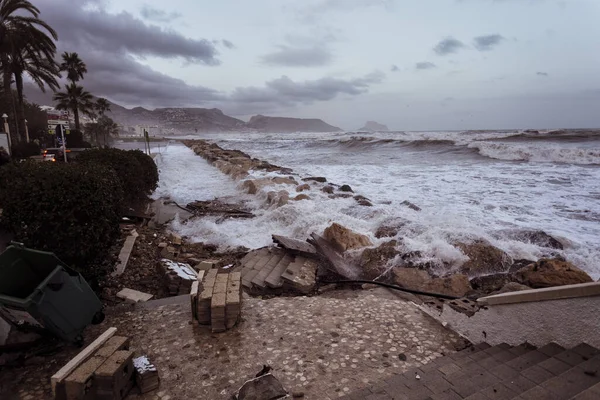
(20, 25)
(41, 70)
(74, 67)
(102, 106)
(75, 99)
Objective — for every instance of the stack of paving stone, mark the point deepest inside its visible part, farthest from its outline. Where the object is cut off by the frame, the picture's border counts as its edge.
(216, 300)
(146, 374)
(105, 375)
(179, 277)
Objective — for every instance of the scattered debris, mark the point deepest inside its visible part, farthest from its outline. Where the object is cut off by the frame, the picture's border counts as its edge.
(133, 296)
(265, 387)
(125, 253)
(146, 375)
(335, 261)
(410, 205)
(216, 207)
(104, 369)
(296, 247)
(179, 276)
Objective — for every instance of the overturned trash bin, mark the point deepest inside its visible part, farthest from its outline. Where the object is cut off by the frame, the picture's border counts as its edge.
(40, 292)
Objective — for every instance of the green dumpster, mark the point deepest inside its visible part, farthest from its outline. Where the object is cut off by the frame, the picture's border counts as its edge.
(39, 291)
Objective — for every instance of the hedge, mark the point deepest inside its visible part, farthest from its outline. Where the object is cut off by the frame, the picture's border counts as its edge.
(136, 171)
(69, 209)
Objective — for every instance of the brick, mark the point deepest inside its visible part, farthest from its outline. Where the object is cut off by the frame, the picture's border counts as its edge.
(537, 374)
(585, 350)
(528, 360)
(570, 383)
(477, 396)
(438, 385)
(520, 384)
(446, 395)
(538, 393)
(499, 391)
(504, 372)
(554, 366)
(551, 349)
(116, 375)
(449, 369)
(113, 344)
(79, 385)
(570, 357)
(465, 387)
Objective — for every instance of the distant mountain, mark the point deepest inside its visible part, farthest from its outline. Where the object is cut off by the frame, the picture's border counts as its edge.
(182, 119)
(372, 126)
(289, 125)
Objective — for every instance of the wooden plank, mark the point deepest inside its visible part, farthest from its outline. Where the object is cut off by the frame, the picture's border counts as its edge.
(336, 261)
(296, 246)
(80, 358)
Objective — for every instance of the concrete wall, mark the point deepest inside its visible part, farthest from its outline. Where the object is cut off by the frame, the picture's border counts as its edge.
(567, 322)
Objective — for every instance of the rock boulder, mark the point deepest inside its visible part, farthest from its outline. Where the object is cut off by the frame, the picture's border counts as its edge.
(373, 261)
(344, 239)
(551, 272)
(418, 279)
(484, 258)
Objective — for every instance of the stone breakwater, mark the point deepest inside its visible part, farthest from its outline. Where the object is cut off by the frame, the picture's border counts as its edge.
(487, 270)
(238, 165)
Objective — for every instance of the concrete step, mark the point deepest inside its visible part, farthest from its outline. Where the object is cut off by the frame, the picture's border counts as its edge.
(592, 393)
(584, 375)
(274, 280)
(497, 373)
(255, 266)
(259, 279)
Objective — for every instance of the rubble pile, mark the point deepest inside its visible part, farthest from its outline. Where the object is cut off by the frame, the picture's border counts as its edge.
(178, 276)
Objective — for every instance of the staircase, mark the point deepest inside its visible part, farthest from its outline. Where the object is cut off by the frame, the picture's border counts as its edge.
(500, 372)
(275, 268)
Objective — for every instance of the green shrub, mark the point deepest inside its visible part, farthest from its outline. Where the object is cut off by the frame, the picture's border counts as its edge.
(150, 170)
(136, 171)
(24, 150)
(69, 209)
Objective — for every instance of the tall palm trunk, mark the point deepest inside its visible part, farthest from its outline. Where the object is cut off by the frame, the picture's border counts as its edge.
(6, 80)
(76, 114)
(21, 106)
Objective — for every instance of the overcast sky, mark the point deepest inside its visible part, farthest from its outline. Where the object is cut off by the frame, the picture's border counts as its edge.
(412, 65)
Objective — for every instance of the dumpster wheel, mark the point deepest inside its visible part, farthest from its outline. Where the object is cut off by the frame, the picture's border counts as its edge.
(98, 318)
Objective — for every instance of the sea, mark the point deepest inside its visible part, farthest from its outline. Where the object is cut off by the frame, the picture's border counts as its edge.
(469, 186)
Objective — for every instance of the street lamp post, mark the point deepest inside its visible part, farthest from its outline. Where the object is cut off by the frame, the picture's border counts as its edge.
(6, 129)
(26, 132)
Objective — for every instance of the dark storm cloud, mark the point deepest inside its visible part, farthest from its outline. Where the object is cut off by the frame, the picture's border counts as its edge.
(285, 90)
(154, 14)
(447, 46)
(82, 28)
(289, 56)
(123, 79)
(425, 65)
(487, 42)
(541, 73)
(394, 68)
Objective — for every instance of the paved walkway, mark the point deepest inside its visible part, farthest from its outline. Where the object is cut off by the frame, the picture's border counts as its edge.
(325, 346)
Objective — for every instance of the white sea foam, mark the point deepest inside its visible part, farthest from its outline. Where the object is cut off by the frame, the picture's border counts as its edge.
(462, 197)
(538, 152)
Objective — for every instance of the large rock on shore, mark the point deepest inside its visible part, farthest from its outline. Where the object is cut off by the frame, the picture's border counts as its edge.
(254, 186)
(417, 279)
(483, 258)
(551, 272)
(344, 239)
(491, 283)
(373, 261)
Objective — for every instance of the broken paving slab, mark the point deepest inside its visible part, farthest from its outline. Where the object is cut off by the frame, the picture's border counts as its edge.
(296, 247)
(133, 296)
(178, 276)
(125, 253)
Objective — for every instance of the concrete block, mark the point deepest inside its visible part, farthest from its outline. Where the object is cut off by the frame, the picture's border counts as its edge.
(207, 265)
(80, 384)
(112, 345)
(115, 375)
(133, 296)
